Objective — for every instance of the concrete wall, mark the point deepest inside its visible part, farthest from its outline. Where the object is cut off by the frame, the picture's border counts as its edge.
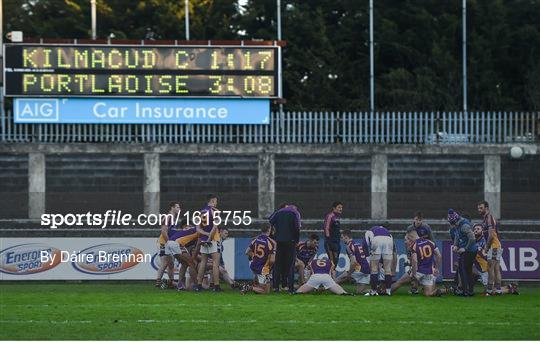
(138, 178)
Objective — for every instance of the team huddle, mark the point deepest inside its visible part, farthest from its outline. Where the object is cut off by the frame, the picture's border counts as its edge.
(280, 261)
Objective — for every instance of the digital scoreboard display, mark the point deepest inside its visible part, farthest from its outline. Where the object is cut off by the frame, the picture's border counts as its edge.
(141, 71)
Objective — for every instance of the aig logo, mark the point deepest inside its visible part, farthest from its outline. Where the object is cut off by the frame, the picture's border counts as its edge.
(36, 110)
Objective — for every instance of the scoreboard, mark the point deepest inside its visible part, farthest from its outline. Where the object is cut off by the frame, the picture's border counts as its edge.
(47, 70)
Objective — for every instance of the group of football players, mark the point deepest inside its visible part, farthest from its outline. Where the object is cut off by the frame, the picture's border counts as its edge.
(372, 259)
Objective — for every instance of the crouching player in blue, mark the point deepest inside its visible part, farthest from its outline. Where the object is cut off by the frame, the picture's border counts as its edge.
(262, 253)
(322, 273)
(305, 252)
(359, 269)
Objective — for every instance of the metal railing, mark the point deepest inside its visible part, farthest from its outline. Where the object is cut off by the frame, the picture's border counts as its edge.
(301, 127)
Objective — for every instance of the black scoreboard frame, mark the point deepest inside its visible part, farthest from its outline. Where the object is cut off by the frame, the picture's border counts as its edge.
(276, 73)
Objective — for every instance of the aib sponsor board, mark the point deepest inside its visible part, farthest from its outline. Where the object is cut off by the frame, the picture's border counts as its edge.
(137, 258)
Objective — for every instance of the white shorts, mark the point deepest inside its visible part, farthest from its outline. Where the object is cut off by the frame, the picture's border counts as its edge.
(318, 279)
(210, 247)
(381, 246)
(425, 279)
(361, 278)
(483, 278)
(263, 279)
(173, 248)
(494, 254)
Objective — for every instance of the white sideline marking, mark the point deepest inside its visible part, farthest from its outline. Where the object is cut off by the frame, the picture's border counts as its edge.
(159, 321)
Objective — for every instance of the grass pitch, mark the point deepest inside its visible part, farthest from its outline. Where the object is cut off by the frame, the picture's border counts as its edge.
(138, 311)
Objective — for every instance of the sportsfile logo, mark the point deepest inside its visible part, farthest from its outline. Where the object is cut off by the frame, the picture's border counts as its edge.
(26, 259)
(108, 258)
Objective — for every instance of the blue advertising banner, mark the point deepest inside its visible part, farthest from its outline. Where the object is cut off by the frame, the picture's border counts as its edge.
(141, 111)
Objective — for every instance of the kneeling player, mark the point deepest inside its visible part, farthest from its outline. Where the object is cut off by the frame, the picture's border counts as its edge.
(426, 262)
(359, 269)
(305, 252)
(261, 252)
(322, 273)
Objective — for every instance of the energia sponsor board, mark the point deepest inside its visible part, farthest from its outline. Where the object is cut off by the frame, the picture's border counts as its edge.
(137, 258)
(83, 258)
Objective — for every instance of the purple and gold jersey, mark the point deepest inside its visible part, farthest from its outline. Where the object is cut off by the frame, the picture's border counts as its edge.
(262, 248)
(425, 254)
(321, 266)
(185, 237)
(305, 253)
(488, 223)
(207, 223)
(358, 250)
(171, 225)
(480, 261)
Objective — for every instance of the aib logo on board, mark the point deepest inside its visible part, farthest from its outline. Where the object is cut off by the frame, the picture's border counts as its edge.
(26, 259)
(108, 258)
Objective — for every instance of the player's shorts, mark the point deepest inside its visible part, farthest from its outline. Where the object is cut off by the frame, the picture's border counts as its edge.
(210, 247)
(494, 254)
(161, 250)
(425, 279)
(361, 278)
(381, 246)
(318, 279)
(174, 248)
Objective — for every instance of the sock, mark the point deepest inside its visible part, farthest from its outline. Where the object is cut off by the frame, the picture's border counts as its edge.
(373, 280)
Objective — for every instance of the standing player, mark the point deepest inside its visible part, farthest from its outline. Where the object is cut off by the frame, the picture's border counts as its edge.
(165, 261)
(322, 273)
(359, 266)
(381, 246)
(305, 252)
(332, 232)
(493, 248)
(465, 245)
(261, 253)
(286, 223)
(209, 242)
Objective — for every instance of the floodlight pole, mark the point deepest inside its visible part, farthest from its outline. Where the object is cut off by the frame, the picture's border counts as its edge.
(93, 10)
(464, 48)
(371, 60)
(186, 4)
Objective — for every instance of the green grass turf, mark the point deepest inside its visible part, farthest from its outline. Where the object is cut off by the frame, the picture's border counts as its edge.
(135, 311)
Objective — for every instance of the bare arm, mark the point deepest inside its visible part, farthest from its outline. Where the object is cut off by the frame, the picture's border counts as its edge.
(271, 259)
(438, 259)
